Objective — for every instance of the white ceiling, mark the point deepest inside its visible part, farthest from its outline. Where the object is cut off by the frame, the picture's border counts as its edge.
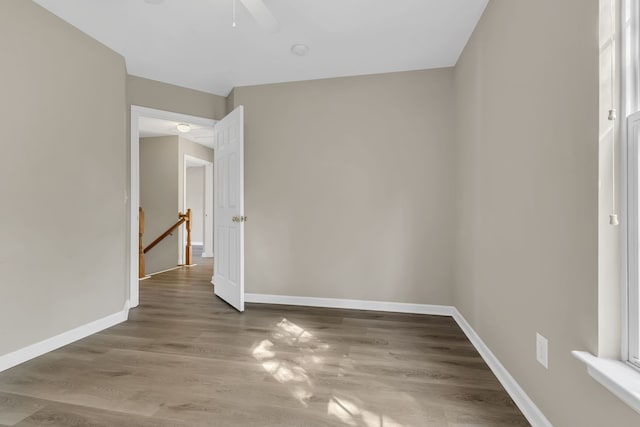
(191, 43)
(148, 127)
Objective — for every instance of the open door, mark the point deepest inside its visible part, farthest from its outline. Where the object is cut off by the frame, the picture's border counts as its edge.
(228, 218)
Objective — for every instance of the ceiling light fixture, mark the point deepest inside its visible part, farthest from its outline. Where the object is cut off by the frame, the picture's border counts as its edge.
(183, 128)
(300, 49)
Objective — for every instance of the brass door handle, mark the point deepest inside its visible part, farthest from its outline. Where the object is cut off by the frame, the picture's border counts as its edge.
(239, 218)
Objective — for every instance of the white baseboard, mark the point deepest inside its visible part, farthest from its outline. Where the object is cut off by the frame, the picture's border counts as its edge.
(164, 271)
(524, 403)
(396, 307)
(34, 350)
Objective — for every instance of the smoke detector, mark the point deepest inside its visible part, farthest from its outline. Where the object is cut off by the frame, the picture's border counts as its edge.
(299, 49)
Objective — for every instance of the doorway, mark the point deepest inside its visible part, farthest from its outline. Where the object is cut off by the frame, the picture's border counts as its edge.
(198, 196)
(149, 114)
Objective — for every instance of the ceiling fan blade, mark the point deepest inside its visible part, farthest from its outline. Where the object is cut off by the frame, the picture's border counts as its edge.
(261, 14)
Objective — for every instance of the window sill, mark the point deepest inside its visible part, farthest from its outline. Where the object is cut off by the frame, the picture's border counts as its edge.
(616, 376)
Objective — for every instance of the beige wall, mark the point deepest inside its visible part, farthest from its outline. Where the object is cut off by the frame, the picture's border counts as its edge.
(193, 149)
(163, 96)
(62, 177)
(159, 199)
(348, 187)
(230, 102)
(527, 96)
(195, 201)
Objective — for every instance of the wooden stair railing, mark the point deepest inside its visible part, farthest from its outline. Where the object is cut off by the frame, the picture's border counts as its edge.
(182, 219)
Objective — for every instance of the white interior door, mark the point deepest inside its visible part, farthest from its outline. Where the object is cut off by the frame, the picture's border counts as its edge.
(228, 218)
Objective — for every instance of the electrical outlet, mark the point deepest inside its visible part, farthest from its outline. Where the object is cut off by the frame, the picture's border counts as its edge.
(542, 350)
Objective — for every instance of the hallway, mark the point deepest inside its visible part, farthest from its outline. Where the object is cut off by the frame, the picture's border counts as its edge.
(185, 358)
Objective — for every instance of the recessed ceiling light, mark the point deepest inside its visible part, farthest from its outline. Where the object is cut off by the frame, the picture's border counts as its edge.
(154, 1)
(300, 49)
(183, 128)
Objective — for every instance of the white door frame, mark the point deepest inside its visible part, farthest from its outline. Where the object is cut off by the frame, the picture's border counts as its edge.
(134, 190)
(207, 232)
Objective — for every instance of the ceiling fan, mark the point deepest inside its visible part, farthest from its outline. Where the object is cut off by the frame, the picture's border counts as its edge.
(260, 13)
(256, 8)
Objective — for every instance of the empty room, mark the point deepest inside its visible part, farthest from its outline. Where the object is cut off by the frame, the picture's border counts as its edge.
(320, 213)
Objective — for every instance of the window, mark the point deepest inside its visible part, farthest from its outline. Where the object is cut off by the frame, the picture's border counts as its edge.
(633, 238)
(630, 127)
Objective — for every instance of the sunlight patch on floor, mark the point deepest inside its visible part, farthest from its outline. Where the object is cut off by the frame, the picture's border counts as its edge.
(351, 414)
(292, 370)
(292, 354)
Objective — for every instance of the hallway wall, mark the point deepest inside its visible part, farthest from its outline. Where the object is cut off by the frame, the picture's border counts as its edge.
(159, 199)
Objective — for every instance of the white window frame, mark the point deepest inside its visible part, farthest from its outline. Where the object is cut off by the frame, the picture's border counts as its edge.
(632, 318)
(630, 152)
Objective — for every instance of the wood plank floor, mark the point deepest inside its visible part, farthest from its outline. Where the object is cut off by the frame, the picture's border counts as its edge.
(185, 358)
